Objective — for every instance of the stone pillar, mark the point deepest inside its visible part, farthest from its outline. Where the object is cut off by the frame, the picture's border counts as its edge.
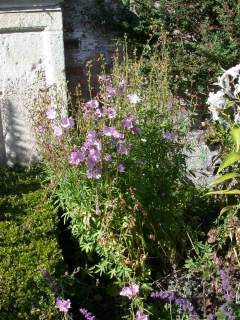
(31, 42)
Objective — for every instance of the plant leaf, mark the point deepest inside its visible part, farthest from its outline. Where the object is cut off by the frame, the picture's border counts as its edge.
(229, 160)
(234, 191)
(227, 208)
(235, 132)
(225, 177)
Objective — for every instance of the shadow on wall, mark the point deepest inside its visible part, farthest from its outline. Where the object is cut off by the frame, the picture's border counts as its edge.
(14, 137)
(3, 157)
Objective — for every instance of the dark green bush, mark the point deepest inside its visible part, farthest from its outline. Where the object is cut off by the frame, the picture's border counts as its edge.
(27, 243)
(202, 37)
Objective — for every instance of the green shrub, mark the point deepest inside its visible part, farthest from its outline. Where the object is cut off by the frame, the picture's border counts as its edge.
(28, 242)
(202, 37)
(134, 219)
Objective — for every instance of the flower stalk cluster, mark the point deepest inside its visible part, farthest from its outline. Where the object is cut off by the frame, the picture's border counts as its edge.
(172, 297)
(105, 142)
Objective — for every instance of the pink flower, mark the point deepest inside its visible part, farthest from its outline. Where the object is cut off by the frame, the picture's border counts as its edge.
(111, 91)
(51, 113)
(67, 123)
(76, 157)
(93, 158)
(57, 131)
(94, 104)
(141, 316)
(128, 122)
(94, 173)
(63, 305)
(131, 291)
(112, 132)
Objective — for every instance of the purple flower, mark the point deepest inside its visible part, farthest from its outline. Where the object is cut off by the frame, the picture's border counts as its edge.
(92, 141)
(111, 91)
(67, 123)
(164, 295)
(187, 306)
(112, 132)
(110, 113)
(141, 316)
(123, 148)
(128, 122)
(171, 136)
(93, 104)
(63, 305)
(93, 158)
(227, 311)
(121, 168)
(226, 285)
(99, 113)
(51, 113)
(57, 131)
(134, 98)
(107, 157)
(87, 315)
(211, 317)
(76, 157)
(91, 136)
(131, 291)
(90, 107)
(183, 303)
(94, 173)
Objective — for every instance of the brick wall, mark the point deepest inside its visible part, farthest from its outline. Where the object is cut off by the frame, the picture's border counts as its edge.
(86, 36)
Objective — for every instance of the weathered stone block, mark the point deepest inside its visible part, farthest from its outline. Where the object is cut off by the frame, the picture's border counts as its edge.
(31, 43)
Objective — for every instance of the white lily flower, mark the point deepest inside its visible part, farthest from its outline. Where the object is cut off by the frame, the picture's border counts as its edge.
(215, 113)
(228, 81)
(217, 99)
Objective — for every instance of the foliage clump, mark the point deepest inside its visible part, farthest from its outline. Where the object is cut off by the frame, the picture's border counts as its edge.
(28, 242)
(202, 38)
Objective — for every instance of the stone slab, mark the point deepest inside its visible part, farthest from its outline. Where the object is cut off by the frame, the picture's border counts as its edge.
(10, 4)
(31, 42)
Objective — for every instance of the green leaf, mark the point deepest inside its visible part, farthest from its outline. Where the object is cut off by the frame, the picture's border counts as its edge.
(235, 132)
(234, 191)
(227, 208)
(225, 177)
(229, 160)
